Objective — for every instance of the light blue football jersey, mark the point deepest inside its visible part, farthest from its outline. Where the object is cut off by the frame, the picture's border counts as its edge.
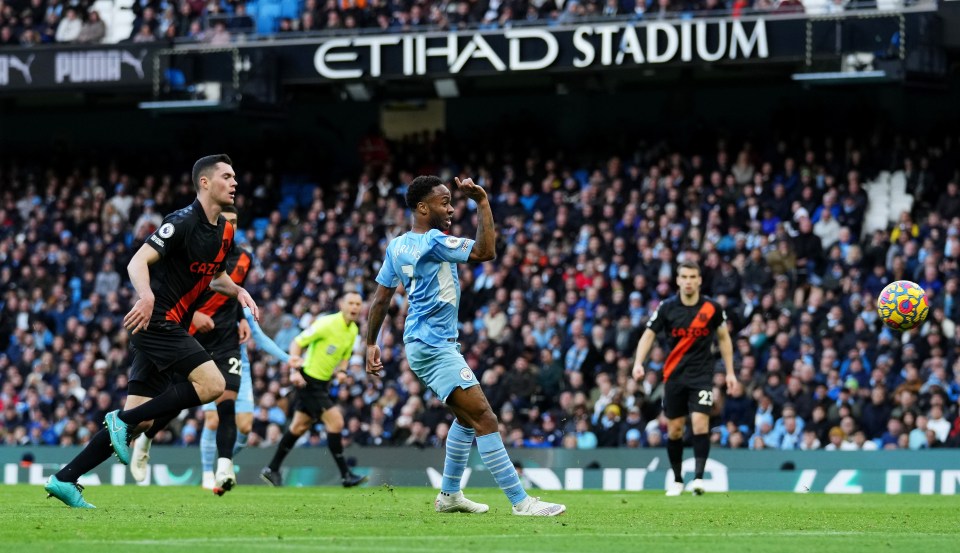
(426, 264)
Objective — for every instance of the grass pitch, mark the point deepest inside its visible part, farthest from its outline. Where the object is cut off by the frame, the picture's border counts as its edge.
(385, 519)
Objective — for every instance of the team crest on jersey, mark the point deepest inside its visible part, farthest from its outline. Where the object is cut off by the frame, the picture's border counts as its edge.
(166, 231)
(331, 349)
(702, 317)
(466, 374)
(452, 241)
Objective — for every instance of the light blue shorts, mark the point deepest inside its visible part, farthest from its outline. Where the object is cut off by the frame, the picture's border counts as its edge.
(244, 395)
(442, 369)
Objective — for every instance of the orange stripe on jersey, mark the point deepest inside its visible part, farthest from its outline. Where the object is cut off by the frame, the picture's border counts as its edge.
(177, 312)
(216, 301)
(700, 320)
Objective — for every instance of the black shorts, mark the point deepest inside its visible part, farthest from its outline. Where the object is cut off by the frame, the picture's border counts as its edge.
(314, 398)
(680, 399)
(163, 354)
(230, 367)
(224, 348)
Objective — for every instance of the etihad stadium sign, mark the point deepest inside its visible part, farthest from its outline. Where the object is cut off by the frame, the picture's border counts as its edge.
(536, 49)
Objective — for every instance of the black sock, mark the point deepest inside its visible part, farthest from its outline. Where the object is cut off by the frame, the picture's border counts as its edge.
(227, 431)
(284, 447)
(701, 450)
(160, 423)
(176, 398)
(675, 454)
(335, 444)
(96, 452)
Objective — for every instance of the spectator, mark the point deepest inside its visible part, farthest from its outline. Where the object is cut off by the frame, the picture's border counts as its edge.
(93, 29)
(70, 26)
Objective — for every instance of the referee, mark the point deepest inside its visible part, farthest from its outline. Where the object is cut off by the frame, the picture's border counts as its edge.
(329, 343)
(690, 322)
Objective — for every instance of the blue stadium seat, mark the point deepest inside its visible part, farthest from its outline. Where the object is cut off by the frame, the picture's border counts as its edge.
(267, 15)
(582, 176)
(260, 225)
(290, 9)
(306, 194)
(286, 205)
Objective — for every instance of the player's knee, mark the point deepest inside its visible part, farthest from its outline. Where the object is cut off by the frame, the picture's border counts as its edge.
(486, 422)
(212, 387)
(244, 427)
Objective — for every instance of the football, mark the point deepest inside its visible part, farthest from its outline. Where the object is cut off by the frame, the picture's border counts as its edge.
(902, 305)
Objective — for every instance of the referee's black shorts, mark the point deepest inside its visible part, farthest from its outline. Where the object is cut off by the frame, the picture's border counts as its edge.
(681, 398)
(314, 398)
(164, 353)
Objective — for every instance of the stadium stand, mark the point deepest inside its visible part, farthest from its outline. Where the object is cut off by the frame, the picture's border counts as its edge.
(587, 250)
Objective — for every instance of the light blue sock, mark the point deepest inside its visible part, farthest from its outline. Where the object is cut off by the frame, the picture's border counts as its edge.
(208, 448)
(240, 443)
(500, 466)
(459, 442)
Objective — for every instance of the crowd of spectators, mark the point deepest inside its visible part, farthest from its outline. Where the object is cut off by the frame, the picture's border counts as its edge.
(586, 250)
(30, 22)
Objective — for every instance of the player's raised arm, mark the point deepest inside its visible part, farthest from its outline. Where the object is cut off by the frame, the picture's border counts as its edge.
(378, 311)
(485, 248)
(225, 285)
(139, 270)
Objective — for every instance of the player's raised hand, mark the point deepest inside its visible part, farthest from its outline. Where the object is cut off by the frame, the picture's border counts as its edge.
(473, 191)
(139, 317)
(374, 364)
(247, 301)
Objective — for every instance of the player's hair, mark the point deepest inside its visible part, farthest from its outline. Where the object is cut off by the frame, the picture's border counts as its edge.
(420, 188)
(687, 264)
(229, 209)
(205, 164)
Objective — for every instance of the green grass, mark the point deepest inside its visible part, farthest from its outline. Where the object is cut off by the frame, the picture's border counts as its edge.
(255, 519)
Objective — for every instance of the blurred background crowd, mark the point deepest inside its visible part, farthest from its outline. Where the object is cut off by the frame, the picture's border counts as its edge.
(786, 233)
(31, 22)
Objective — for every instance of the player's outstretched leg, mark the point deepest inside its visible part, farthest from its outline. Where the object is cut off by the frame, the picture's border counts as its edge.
(495, 457)
(701, 450)
(451, 499)
(117, 430)
(140, 457)
(675, 454)
(349, 479)
(225, 479)
(174, 399)
(63, 485)
(208, 455)
(71, 493)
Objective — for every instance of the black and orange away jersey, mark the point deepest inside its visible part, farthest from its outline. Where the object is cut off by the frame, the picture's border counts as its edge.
(690, 332)
(224, 310)
(192, 252)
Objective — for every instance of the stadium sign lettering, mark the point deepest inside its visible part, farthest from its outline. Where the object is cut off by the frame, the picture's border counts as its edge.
(96, 66)
(17, 64)
(539, 49)
(70, 67)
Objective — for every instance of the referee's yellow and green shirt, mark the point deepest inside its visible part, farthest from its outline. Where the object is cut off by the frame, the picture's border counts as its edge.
(328, 342)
